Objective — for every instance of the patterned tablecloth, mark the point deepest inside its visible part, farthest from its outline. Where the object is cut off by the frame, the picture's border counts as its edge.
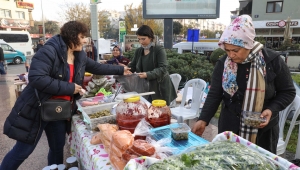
(91, 157)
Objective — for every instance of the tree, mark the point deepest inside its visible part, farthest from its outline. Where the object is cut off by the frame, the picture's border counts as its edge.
(51, 27)
(184, 30)
(177, 27)
(81, 12)
(135, 16)
(104, 23)
(77, 12)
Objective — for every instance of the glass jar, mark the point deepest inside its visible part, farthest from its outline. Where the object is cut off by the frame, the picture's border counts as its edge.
(159, 114)
(130, 112)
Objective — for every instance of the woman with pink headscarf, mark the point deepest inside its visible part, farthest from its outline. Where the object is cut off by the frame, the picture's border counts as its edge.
(249, 78)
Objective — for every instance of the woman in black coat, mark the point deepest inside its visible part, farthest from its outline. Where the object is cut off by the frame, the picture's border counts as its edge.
(249, 78)
(57, 71)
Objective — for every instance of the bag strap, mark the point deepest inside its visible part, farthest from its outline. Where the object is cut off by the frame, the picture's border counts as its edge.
(37, 95)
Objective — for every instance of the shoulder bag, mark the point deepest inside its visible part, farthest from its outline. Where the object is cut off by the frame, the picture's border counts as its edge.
(55, 109)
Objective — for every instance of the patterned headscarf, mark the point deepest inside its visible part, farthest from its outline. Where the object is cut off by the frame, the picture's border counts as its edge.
(240, 32)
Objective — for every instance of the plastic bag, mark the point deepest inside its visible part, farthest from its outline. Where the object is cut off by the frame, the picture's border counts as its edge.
(161, 151)
(133, 82)
(143, 128)
(96, 139)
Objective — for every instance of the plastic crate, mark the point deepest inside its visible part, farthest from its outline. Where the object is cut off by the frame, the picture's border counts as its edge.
(92, 123)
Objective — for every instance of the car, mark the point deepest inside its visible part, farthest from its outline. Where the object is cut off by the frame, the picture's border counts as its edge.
(11, 55)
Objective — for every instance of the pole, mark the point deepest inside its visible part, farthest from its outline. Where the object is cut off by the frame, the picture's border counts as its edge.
(94, 25)
(168, 33)
(44, 37)
(193, 40)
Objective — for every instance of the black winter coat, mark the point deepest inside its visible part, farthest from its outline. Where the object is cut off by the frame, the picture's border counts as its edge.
(280, 92)
(49, 74)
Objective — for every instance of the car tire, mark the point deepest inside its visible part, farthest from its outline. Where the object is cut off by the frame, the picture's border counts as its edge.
(18, 60)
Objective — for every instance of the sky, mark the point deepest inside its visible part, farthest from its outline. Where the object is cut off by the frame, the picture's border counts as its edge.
(52, 8)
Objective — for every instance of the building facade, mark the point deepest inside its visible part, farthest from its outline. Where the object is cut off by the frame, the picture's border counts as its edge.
(270, 19)
(15, 15)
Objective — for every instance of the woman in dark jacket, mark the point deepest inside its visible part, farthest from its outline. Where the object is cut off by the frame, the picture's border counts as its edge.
(150, 62)
(57, 71)
(118, 58)
(248, 78)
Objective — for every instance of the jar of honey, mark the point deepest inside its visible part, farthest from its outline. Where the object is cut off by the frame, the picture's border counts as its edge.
(130, 112)
(159, 114)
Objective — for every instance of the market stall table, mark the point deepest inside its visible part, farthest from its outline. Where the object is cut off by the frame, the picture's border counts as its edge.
(90, 157)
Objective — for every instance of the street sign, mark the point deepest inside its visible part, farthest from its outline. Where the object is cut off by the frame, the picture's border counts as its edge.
(95, 1)
(122, 31)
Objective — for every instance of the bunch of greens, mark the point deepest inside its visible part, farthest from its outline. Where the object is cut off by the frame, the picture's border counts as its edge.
(221, 155)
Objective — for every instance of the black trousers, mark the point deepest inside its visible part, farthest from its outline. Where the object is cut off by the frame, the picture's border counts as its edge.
(268, 139)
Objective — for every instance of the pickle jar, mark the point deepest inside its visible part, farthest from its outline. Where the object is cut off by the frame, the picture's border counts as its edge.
(130, 112)
(159, 114)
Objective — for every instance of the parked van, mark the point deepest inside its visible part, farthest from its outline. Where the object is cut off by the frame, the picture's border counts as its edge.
(201, 47)
(19, 40)
(11, 55)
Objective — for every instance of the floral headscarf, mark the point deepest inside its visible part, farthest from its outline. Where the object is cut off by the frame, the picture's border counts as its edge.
(240, 32)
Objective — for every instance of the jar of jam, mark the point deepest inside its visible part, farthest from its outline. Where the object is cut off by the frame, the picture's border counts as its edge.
(129, 113)
(159, 114)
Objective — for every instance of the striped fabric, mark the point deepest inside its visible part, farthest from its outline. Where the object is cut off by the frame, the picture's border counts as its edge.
(255, 91)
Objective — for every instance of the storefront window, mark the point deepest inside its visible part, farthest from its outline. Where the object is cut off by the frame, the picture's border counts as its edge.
(274, 6)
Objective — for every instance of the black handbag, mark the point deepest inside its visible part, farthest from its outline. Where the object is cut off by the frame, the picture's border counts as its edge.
(55, 109)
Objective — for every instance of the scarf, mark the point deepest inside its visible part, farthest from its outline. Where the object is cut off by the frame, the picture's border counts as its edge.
(255, 91)
(147, 47)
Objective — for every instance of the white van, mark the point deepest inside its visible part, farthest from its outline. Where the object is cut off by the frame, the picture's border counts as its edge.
(202, 47)
(19, 40)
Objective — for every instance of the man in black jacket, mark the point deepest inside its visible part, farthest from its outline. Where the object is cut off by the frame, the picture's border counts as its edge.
(40, 45)
(2, 71)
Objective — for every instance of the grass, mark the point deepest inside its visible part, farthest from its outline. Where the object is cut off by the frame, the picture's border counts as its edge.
(292, 144)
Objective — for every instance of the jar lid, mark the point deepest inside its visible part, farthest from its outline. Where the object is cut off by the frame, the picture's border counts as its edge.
(159, 103)
(71, 159)
(132, 99)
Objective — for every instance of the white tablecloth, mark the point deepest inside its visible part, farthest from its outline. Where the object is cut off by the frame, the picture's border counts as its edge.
(90, 157)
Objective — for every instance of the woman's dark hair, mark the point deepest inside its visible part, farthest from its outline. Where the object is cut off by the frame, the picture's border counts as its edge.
(145, 30)
(70, 30)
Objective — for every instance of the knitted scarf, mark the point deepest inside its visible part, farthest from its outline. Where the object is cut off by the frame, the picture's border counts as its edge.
(255, 91)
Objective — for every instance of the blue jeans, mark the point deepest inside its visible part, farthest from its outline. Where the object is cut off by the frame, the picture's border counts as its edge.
(2, 71)
(55, 132)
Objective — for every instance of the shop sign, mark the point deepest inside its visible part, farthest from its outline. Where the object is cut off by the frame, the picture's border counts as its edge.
(25, 5)
(14, 23)
(280, 23)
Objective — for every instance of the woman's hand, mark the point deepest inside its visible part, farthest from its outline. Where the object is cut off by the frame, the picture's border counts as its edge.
(127, 71)
(267, 115)
(199, 127)
(77, 88)
(142, 75)
(102, 61)
(120, 64)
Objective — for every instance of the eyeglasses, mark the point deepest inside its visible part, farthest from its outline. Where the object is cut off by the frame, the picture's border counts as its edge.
(116, 50)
